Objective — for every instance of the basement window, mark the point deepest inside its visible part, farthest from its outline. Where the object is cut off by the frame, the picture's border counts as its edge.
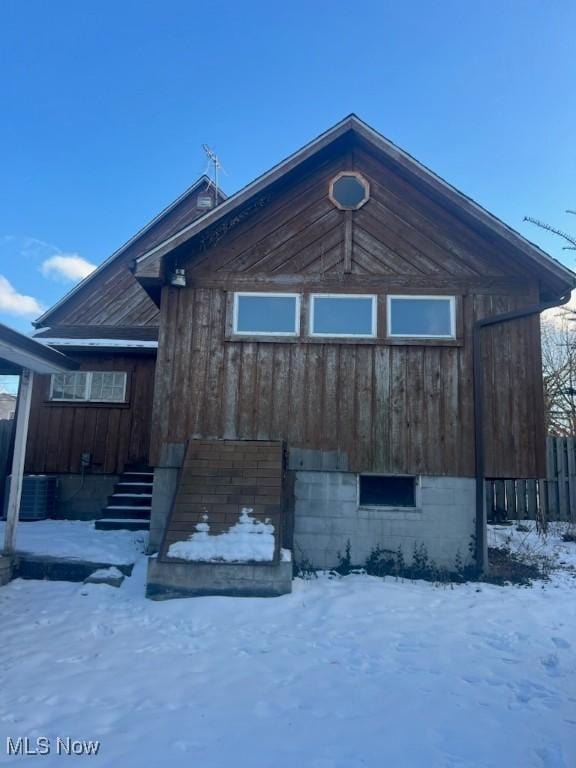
(386, 491)
(422, 317)
(89, 386)
(266, 314)
(340, 315)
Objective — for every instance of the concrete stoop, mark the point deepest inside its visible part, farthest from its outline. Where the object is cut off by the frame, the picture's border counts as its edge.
(40, 567)
(172, 580)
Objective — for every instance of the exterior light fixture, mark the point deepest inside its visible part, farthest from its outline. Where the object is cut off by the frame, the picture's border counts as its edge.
(178, 278)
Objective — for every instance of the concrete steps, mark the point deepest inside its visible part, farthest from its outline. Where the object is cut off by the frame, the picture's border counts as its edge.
(130, 505)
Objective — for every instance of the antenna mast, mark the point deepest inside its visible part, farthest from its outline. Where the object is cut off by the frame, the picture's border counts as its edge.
(214, 161)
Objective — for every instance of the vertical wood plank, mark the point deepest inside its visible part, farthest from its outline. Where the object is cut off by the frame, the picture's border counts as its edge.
(232, 361)
(381, 412)
(521, 504)
(562, 465)
(571, 450)
(510, 487)
(364, 419)
(499, 497)
(531, 499)
(489, 498)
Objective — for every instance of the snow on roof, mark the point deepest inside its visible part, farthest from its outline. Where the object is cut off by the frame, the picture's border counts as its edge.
(107, 343)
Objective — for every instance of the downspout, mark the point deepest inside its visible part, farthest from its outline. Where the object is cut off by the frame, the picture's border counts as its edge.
(479, 325)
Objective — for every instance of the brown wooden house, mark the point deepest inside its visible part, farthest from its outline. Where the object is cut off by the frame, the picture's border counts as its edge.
(348, 346)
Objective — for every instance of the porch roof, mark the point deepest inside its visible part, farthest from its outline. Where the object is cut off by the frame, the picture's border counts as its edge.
(18, 351)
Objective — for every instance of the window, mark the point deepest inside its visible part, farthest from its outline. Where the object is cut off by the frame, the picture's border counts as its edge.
(89, 386)
(387, 491)
(267, 314)
(69, 386)
(349, 191)
(422, 317)
(340, 315)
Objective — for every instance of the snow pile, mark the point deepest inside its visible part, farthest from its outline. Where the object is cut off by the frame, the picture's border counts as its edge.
(78, 539)
(107, 573)
(249, 540)
(110, 576)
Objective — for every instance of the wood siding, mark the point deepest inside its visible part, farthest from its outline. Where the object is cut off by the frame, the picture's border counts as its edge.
(386, 406)
(389, 408)
(114, 434)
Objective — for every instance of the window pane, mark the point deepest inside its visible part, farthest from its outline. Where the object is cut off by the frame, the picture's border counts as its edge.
(266, 314)
(346, 315)
(69, 386)
(107, 386)
(348, 191)
(379, 490)
(420, 317)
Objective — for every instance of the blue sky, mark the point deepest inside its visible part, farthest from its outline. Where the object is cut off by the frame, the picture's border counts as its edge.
(105, 106)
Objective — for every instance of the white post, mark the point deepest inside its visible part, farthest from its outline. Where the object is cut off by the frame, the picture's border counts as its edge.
(23, 413)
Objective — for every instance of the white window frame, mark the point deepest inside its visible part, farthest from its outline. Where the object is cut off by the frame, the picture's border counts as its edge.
(374, 315)
(451, 335)
(267, 295)
(87, 389)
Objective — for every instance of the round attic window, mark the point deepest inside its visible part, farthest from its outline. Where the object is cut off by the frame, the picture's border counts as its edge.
(349, 191)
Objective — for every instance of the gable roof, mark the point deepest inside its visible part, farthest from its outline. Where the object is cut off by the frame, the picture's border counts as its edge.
(203, 180)
(560, 279)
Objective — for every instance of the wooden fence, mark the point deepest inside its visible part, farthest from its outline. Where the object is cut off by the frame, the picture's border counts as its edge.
(6, 432)
(554, 497)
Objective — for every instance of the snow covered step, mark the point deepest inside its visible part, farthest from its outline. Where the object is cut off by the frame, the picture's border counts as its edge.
(122, 524)
(128, 506)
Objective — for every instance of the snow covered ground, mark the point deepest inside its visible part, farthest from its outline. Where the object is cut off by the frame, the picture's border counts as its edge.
(342, 673)
(78, 539)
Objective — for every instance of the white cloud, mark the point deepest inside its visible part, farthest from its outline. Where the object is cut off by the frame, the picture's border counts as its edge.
(67, 266)
(14, 303)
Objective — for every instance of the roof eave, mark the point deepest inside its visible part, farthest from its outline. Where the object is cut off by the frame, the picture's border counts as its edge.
(119, 251)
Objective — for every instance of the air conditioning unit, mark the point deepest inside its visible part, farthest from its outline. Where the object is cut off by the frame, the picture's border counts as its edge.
(38, 500)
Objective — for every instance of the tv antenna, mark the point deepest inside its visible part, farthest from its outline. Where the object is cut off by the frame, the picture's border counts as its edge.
(216, 166)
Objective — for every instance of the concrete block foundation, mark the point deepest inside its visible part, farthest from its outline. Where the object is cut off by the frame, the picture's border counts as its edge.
(164, 490)
(5, 570)
(327, 515)
(172, 580)
(83, 498)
